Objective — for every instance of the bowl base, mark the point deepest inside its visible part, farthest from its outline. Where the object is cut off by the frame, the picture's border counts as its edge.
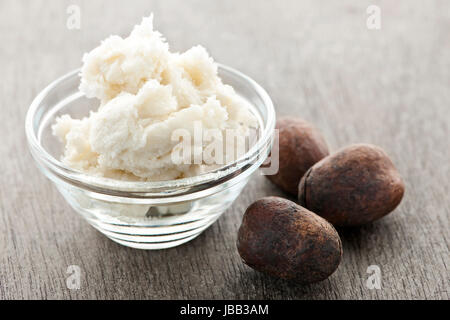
(153, 239)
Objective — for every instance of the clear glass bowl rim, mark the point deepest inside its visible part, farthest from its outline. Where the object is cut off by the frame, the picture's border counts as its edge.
(93, 182)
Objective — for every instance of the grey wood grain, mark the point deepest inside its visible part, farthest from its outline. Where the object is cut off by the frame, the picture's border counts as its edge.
(318, 60)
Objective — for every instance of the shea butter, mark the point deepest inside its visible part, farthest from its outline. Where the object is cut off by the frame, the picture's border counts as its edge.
(145, 94)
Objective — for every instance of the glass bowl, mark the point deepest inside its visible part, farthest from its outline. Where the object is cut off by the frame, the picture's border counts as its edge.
(144, 215)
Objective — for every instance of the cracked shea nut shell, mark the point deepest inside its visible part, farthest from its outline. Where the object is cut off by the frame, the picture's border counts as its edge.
(287, 241)
(356, 185)
(301, 146)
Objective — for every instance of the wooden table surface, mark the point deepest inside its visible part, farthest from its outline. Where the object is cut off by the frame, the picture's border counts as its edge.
(317, 60)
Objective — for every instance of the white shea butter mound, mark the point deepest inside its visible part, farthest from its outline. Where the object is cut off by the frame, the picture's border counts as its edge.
(146, 93)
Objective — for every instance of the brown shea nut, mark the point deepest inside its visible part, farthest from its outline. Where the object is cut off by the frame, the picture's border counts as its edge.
(356, 185)
(301, 145)
(285, 240)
